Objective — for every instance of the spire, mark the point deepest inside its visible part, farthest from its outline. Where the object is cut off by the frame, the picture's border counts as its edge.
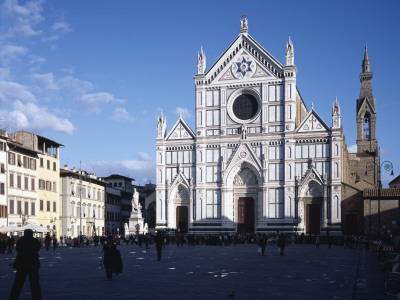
(289, 53)
(366, 67)
(336, 114)
(366, 78)
(201, 62)
(243, 24)
(161, 126)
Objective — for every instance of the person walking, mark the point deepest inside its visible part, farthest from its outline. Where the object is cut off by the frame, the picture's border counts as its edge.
(10, 244)
(262, 243)
(112, 258)
(54, 242)
(47, 241)
(159, 244)
(281, 243)
(317, 241)
(27, 263)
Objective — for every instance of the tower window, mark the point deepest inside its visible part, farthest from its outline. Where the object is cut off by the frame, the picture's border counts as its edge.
(366, 126)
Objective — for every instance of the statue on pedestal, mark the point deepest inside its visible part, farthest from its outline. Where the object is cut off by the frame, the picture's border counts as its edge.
(136, 220)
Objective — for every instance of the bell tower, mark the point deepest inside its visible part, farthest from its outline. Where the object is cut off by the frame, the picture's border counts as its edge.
(367, 144)
(366, 112)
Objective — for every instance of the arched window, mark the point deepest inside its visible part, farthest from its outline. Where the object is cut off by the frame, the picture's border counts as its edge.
(336, 206)
(367, 123)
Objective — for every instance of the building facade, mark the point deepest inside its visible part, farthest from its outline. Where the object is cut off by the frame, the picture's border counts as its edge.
(118, 217)
(258, 160)
(83, 203)
(3, 178)
(48, 174)
(113, 217)
(22, 184)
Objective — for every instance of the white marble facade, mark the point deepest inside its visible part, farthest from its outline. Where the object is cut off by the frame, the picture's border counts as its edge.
(258, 157)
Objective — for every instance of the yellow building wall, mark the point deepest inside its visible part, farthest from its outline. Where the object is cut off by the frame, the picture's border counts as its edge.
(49, 204)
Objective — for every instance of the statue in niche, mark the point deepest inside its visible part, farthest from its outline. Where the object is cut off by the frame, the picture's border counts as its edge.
(244, 132)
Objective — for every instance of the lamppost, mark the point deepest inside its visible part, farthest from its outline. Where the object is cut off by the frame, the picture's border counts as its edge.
(387, 166)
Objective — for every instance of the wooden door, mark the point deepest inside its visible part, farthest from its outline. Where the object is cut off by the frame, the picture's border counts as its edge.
(246, 215)
(182, 218)
(313, 219)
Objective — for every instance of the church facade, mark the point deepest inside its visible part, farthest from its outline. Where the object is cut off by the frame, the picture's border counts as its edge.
(259, 160)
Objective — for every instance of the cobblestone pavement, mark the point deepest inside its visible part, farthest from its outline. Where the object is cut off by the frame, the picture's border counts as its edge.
(204, 272)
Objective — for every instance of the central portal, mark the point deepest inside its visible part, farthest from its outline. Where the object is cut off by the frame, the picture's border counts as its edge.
(313, 219)
(182, 218)
(245, 215)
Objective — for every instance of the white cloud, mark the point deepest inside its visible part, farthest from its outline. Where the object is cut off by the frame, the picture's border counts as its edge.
(29, 116)
(4, 74)
(76, 85)
(24, 17)
(11, 91)
(11, 52)
(144, 156)
(142, 170)
(36, 59)
(94, 101)
(352, 148)
(121, 115)
(47, 79)
(57, 30)
(183, 111)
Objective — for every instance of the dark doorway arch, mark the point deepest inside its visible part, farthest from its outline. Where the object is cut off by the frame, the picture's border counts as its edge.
(182, 218)
(245, 215)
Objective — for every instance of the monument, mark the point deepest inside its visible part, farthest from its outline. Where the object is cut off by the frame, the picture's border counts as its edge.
(136, 221)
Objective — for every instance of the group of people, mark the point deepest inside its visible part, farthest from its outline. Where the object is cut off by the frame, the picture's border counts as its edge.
(6, 243)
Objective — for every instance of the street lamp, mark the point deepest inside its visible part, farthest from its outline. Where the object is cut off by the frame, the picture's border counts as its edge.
(387, 166)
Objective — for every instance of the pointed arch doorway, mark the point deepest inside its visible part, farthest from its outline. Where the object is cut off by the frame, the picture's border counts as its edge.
(313, 217)
(313, 204)
(245, 188)
(182, 218)
(245, 215)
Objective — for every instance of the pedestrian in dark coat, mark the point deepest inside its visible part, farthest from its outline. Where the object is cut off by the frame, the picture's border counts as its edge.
(27, 263)
(281, 243)
(159, 244)
(54, 242)
(263, 243)
(47, 241)
(112, 258)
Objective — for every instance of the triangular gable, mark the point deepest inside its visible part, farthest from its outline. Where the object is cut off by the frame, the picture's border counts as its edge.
(243, 152)
(262, 64)
(179, 178)
(311, 174)
(313, 123)
(364, 102)
(244, 66)
(180, 131)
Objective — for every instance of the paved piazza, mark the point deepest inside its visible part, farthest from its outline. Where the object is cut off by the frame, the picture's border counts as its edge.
(205, 272)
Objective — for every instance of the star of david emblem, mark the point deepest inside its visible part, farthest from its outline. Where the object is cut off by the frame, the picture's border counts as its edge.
(243, 67)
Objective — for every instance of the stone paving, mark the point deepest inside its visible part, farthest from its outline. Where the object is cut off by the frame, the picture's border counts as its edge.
(204, 272)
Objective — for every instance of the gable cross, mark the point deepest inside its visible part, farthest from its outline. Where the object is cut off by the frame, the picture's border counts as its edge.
(312, 120)
(180, 127)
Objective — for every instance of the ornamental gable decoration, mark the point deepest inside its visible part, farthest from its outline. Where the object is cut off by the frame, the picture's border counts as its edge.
(180, 131)
(313, 123)
(245, 60)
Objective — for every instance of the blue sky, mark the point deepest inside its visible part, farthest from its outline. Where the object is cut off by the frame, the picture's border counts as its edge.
(93, 75)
